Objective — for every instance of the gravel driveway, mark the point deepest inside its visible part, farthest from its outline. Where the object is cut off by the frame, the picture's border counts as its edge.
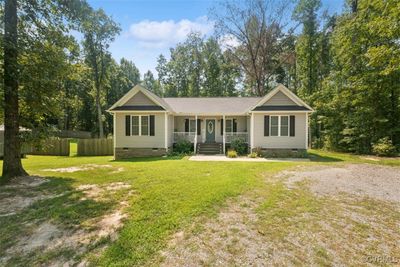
(378, 182)
(289, 225)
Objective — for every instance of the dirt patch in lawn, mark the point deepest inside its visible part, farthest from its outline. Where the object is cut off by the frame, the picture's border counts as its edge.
(52, 239)
(379, 182)
(85, 167)
(17, 194)
(231, 239)
(97, 192)
(26, 181)
(48, 237)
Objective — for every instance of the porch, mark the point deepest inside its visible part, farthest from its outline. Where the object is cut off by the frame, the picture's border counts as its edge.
(210, 129)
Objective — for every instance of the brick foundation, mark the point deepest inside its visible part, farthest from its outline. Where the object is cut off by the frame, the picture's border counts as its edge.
(125, 153)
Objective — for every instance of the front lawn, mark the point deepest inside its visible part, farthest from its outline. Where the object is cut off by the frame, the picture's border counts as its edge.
(165, 195)
(146, 201)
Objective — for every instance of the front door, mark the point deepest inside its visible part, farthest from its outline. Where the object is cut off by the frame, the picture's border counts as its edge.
(210, 131)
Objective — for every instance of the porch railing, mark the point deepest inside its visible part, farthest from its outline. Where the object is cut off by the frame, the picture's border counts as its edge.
(184, 136)
(232, 136)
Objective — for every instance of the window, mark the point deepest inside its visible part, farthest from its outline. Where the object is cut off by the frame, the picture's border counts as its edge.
(140, 125)
(229, 126)
(279, 126)
(284, 126)
(192, 126)
(274, 124)
(145, 125)
(135, 125)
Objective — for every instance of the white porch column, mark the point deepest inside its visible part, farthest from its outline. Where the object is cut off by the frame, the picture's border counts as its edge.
(114, 132)
(307, 130)
(195, 136)
(224, 132)
(252, 132)
(166, 131)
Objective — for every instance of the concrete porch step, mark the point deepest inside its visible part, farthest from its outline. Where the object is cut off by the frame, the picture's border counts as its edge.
(209, 148)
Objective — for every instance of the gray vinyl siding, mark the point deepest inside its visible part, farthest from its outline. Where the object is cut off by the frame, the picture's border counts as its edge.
(156, 141)
(288, 142)
(139, 99)
(280, 99)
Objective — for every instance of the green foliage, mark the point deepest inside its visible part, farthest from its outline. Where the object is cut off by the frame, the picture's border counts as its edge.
(384, 147)
(151, 84)
(347, 74)
(307, 46)
(232, 153)
(253, 155)
(239, 145)
(183, 146)
(258, 151)
(99, 31)
(197, 67)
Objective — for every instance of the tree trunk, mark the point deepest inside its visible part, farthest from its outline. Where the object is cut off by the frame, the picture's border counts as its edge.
(99, 114)
(12, 165)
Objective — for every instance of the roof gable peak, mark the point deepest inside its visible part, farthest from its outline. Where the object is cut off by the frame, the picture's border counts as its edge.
(287, 92)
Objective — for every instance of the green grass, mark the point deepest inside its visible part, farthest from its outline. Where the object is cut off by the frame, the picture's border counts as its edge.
(328, 156)
(73, 147)
(168, 194)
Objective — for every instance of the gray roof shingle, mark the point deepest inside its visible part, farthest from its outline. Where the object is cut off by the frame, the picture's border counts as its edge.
(211, 105)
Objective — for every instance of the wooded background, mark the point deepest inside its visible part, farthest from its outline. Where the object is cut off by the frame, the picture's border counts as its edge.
(346, 66)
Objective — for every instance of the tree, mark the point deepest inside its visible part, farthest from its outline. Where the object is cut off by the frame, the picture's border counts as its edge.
(25, 36)
(12, 165)
(150, 83)
(162, 71)
(130, 71)
(362, 87)
(230, 74)
(307, 46)
(99, 30)
(256, 26)
(212, 68)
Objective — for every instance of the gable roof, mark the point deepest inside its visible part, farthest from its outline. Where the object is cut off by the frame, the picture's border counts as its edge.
(138, 88)
(287, 92)
(210, 105)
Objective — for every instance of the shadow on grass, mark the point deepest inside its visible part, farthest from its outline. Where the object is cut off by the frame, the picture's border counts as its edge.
(314, 157)
(61, 205)
(151, 159)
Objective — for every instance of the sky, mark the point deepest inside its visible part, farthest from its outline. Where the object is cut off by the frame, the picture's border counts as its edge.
(150, 27)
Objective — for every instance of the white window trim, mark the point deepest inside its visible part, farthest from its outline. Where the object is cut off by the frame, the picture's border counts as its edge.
(140, 125)
(194, 124)
(231, 132)
(279, 126)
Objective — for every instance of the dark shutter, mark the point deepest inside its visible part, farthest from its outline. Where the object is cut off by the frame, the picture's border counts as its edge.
(292, 125)
(234, 125)
(186, 125)
(127, 125)
(222, 126)
(198, 127)
(152, 125)
(266, 125)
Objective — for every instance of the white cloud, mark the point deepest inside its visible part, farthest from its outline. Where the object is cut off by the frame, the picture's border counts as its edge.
(158, 34)
(228, 41)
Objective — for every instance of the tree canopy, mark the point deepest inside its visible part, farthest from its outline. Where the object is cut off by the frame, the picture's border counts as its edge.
(346, 66)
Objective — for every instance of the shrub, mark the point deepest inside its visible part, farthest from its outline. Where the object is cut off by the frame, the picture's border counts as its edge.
(239, 145)
(384, 147)
(232, 154)
(258, 151)
(253, 155)
(183, 146)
